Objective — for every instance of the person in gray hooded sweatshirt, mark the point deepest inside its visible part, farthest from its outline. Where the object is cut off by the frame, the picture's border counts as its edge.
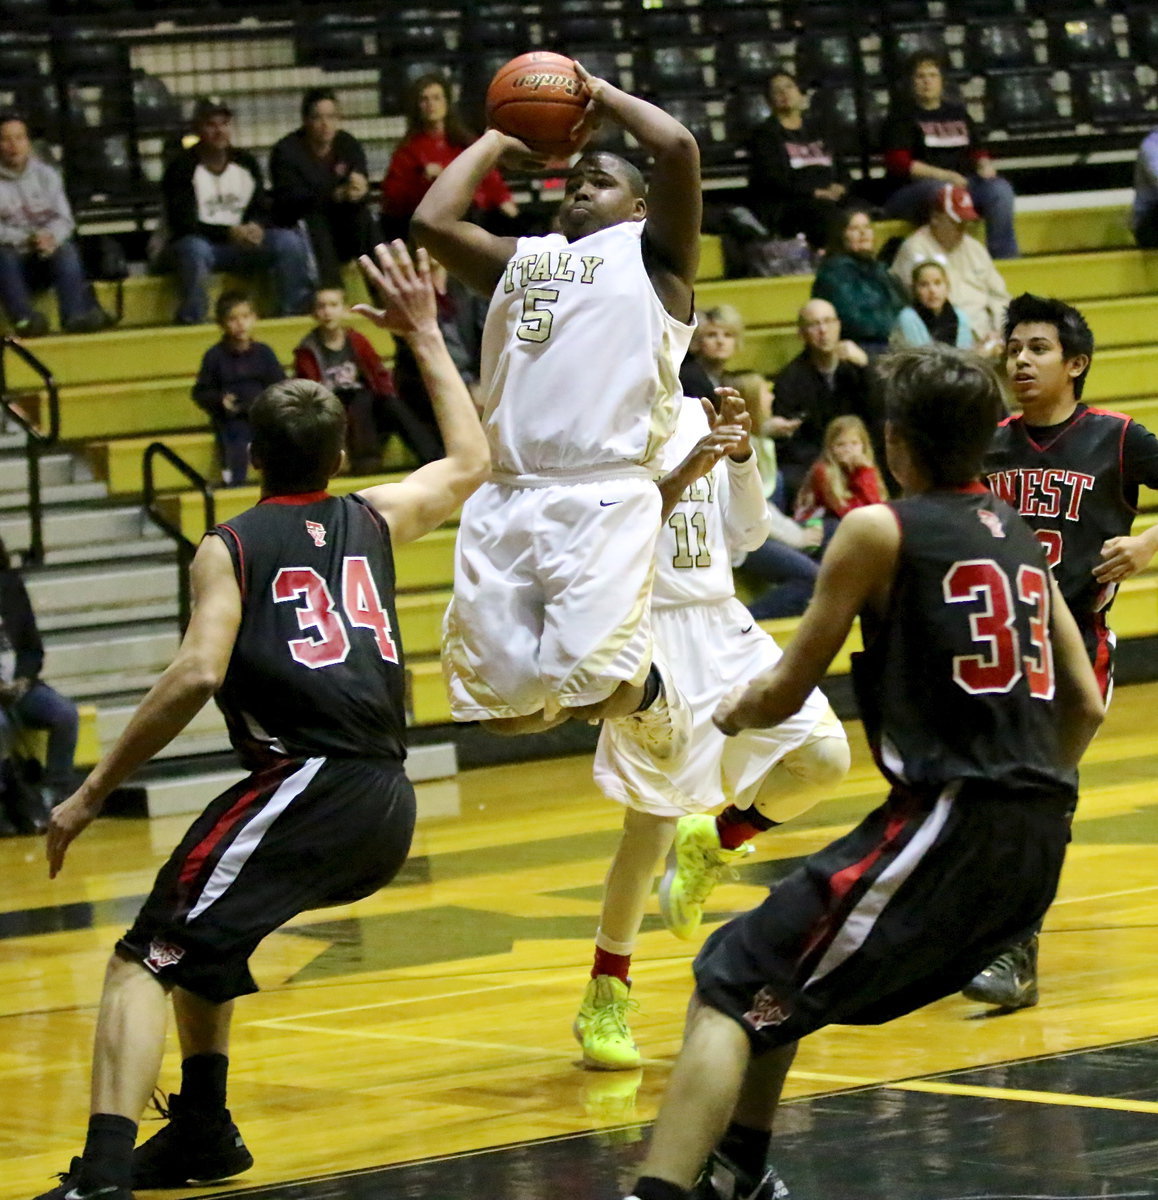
(36, 243)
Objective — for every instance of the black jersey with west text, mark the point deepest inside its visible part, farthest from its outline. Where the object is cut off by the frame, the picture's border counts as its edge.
(1077, 485)
(317, 667)
(956, 681)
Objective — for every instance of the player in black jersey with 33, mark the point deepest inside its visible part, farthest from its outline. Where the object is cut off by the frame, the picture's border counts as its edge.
(978, 701)
(293, 627)
(1073, 472)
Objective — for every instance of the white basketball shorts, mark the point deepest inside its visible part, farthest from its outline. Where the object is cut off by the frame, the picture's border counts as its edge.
(552, 595)
(708, 648)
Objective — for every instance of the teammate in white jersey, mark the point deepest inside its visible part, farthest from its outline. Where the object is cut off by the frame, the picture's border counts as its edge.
(711, 643)
(579, 389)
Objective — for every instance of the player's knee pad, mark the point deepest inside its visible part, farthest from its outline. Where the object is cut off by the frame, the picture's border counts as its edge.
(821, 762)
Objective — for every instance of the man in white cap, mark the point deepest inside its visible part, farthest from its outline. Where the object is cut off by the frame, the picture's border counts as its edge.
(975, 284)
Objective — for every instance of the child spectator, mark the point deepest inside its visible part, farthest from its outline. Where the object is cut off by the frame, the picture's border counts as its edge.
(931, 317)
(782, 560)
(978, 288)
(344, 361)
(718, 335)
(844, 477)
(234, 372)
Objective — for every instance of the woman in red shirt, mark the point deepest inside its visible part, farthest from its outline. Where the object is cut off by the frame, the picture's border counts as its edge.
(435, 136)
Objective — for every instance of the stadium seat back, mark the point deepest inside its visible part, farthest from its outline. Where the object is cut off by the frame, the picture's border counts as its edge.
(992, 45)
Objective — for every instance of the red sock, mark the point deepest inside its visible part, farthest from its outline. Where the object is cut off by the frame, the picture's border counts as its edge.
(735, 826)
(607, 963)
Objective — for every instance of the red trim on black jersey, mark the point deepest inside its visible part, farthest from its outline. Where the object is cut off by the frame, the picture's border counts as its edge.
(1110, 412)
(240, 558)
(1075, 418)
(296, 498)
(263, 786)
(379, 522)
(1103, 662)
(842, 882)
(1125, 419)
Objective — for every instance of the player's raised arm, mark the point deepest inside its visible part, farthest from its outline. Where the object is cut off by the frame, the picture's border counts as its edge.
(674, 198)
(428, 496)
(857, 572)
(171, 703)
(468, 251)
(727, 435)
(1081, 708)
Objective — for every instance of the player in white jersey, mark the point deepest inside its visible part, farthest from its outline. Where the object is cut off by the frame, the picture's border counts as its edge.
(579, 390)
(711, 643)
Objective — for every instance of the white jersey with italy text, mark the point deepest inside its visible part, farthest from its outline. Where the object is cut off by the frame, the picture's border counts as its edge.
(580, 359)
(720, 514)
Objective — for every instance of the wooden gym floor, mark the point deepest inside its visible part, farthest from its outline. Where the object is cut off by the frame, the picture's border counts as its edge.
(418, 1044)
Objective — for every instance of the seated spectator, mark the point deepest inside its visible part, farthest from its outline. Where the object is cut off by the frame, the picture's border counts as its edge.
(26, 701)
(461, 316)
(217, 219)
(319, 178)
(344, 361)
(234, 372)
(37, 247)
(978, 289)
(719, 333)
(782, 560)
(795, 182)
(930, 141)
(435, 137)
(931, 317)
(828, 379)
(858, 284)
(1145, 222)
(844, 477)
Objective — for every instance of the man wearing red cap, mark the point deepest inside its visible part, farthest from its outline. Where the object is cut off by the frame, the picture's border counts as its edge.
(975, 285)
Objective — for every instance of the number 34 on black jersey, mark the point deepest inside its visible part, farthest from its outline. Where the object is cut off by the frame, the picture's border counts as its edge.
(317, 668)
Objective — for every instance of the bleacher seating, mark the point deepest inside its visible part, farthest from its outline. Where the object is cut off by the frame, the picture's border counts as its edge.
(994, 45)
(118, 416)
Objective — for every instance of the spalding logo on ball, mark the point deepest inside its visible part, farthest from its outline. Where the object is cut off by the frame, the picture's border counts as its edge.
(539, 99)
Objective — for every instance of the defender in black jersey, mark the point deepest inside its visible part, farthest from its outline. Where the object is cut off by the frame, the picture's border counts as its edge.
(293, 627)
(1073, 472)
(978, 701)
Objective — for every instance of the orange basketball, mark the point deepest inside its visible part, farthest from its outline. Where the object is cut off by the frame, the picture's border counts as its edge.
(538, 98)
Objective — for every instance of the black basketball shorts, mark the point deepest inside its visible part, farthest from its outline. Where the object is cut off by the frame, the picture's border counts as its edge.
(904, 909)
(303, 834)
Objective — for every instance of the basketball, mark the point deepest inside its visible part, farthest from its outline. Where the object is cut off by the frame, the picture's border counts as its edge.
(538, 98)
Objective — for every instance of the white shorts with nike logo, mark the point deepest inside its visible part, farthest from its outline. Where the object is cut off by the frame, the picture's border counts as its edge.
(708, 648)
(552, 595)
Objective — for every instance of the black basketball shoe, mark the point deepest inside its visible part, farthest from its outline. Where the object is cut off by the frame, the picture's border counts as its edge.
(721, 1179)
(192, 1148)
(72, 1186)
(1010, 980)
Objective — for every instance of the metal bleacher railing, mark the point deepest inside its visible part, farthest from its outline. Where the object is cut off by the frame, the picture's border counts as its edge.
(186, 548)
(109, 83)
(37, 437)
